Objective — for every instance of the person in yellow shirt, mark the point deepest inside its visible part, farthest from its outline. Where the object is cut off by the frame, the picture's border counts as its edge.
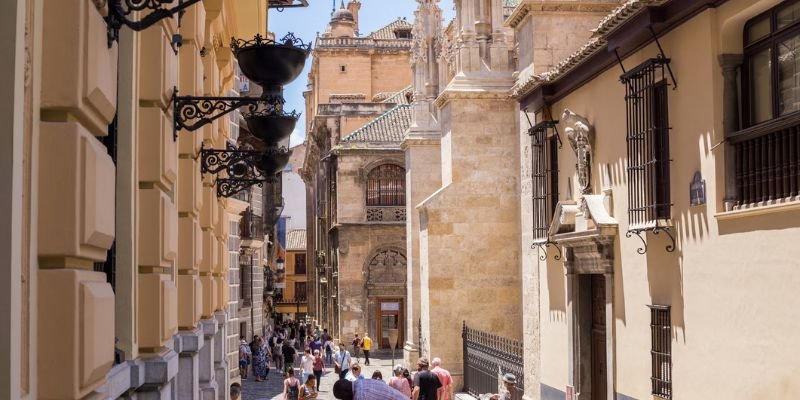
(366, 344)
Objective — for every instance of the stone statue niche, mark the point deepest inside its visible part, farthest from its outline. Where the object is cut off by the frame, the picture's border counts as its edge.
(581, 137)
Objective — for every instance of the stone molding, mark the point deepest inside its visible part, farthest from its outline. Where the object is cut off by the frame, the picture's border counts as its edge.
(161, 369)
(527, 8)
(476, 92)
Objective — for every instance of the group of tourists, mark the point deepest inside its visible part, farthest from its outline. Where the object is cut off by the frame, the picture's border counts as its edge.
(425, 384)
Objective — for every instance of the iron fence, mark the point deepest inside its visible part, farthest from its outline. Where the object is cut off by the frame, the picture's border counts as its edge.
(486, 358)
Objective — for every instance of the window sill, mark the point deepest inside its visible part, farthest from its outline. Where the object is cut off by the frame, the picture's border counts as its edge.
(756, 209)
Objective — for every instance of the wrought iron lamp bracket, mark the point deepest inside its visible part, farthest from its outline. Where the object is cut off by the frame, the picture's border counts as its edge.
(239, 167)
(655, 230)
(120, 10)
(193, 112)
(541, 248)
(280, 5)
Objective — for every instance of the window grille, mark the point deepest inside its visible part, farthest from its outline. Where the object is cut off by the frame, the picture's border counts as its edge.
(661, 351)
(544, 181)
(647, 119)
(386, 186)
(299, 264)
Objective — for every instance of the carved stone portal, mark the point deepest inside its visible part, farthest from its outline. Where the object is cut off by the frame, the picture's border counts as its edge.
(581, 137)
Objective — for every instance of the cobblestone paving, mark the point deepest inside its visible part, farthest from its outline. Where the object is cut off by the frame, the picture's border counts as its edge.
(272, 387)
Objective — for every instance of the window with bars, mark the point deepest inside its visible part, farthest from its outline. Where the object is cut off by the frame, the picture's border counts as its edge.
(767, 152)
(386, 186)
(544, 176)
(661, 351)
(647, 120)
(300, 291)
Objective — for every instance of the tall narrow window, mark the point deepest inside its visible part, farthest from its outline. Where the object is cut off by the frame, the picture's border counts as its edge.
(386, 186)
(647, 113)
(767, 152)
(300, 264)
(300, 291)
(661, 351)
(544, 177)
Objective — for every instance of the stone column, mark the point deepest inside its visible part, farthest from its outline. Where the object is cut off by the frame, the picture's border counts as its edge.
(160, 371)
(730, 64)
(188, 346)
(220, 355)
(206, 373)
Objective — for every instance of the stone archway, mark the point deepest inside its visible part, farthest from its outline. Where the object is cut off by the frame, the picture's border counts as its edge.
(386, 294)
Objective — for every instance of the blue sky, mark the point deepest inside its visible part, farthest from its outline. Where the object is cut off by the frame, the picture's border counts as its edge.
(306, 22)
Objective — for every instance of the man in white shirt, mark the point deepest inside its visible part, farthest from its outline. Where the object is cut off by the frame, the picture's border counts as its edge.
(307, 365)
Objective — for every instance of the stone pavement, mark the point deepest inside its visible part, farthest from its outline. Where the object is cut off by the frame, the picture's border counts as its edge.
(272, 387)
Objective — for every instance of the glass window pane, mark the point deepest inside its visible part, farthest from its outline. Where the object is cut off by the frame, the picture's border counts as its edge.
(788, 15)
(760, 87)
(789, 75)
(758, 30)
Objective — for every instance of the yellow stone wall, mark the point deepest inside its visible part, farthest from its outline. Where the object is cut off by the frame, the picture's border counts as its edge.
(728, 281)
(67, 85)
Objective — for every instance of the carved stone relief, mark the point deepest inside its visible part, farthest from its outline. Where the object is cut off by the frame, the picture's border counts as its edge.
(581, 138)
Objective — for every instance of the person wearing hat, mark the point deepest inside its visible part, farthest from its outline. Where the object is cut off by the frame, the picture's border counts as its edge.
(426, 383)
(509, 381)
(365, 389)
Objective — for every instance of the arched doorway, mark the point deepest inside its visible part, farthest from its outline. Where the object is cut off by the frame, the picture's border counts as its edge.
(386, 294)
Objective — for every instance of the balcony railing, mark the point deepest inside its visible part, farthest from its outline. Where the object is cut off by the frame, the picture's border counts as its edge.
(300, 300)
(386, 214)
(251, 226)
(767, 158)
(364, 42)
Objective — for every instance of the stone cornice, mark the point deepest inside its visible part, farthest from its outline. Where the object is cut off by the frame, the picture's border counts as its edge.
(526, 8)
(462, 94)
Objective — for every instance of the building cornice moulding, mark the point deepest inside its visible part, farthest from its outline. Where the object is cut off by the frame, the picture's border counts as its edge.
(474, 94)
(530, 7)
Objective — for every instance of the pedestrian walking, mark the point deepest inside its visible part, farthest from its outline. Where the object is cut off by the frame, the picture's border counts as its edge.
(509, 381)
(369, 389)
(446, 391)
(399, 382)
(425, 382)
(329, 349)
(342, 361)
(245, 357)
(307, 364)
(319, 367)
(289, 356)
(310, 389)
(366, 345)
(407, 375)
(277, 355)
(291, 386)
(356, 343)
(260, 367)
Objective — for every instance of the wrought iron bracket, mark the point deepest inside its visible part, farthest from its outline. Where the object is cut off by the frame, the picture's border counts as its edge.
(120, 10)
(280, 5)
(549, 124)
(193, 112)
(541, 248)
(655, 230)
(239, 167)
(662, 57)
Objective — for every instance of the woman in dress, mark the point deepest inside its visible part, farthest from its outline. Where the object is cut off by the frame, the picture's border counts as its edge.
(259, 360)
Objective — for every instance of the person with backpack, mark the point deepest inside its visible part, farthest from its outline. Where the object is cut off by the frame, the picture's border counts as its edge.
(291, 386)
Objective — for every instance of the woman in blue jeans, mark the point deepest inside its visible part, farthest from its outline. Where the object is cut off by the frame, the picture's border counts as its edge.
(342, 360)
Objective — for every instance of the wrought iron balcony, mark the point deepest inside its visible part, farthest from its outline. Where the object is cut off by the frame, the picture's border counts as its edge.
(298, 300)
(251, 229)
(386, 214)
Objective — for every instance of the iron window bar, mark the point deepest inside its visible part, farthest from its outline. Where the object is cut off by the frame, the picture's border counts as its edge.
(119, 12)
(545, 142)
(647, 120)
(661, 351)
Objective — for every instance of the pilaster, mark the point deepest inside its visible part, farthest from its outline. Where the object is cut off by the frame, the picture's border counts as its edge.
(730, 64)
(206, 367)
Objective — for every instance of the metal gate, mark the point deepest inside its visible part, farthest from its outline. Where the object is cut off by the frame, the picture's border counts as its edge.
(486, 358)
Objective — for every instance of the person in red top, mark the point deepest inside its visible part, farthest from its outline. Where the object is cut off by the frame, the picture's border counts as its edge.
(319, 366)
(446, 391)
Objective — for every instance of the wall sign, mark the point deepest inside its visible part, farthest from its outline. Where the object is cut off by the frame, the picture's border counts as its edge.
(697, 190)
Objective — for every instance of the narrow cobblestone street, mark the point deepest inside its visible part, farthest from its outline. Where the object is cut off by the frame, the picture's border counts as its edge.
(271, 389)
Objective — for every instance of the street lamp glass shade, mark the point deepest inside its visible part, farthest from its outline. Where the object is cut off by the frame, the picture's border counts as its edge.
(280, 263)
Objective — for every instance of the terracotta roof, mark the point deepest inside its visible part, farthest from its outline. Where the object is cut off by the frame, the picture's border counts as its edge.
(387, 32)
(389, 127)
(396, 97)
(616, 18)
(296, 240)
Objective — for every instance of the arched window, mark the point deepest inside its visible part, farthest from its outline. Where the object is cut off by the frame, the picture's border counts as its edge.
(386, 186)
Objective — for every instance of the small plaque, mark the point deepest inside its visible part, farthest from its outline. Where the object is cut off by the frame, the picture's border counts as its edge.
(697, 190)
(390, 306)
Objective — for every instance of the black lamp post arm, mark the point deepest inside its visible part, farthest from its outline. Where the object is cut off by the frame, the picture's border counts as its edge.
(119, 10)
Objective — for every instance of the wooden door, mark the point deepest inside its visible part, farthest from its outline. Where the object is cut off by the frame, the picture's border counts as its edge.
(390, 317)
(599, 370)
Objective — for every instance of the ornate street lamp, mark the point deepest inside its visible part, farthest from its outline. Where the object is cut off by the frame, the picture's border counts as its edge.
(120, 10)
